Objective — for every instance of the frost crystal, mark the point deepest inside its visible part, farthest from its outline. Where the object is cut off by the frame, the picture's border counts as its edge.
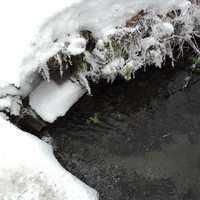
(74, 46)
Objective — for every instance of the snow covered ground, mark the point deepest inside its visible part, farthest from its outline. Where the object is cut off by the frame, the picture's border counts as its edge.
(29, 170)
(31, 33)
(20, 21)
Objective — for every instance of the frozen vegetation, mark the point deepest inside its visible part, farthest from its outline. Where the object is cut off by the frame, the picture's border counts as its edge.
(51, 55)
(86, 42)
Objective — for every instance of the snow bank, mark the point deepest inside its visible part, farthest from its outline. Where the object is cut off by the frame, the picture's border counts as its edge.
(51, 101)
(10, 100)
(30, 39)
(64, 27)
(119, 40)
(29, 170)
(122, 39)
(20, 23)
(112, 36)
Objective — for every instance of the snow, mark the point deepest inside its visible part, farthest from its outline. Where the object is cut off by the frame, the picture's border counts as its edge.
(112, 68)
(10, 89)
(148, 42)
(10, 100)
(51, 101)
(29, 37)
(34, 31)
(77, 46)
(20, 23)
(29, 170)
(163, 29)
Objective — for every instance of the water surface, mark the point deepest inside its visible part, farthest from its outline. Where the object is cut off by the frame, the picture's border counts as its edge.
(146, 144)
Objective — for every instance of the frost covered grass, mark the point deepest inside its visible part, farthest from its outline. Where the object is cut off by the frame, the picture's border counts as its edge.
(116, 43)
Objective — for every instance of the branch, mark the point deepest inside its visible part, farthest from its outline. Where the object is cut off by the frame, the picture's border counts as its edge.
(195, 48)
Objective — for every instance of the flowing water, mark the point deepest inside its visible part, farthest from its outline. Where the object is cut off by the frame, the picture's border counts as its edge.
(144, 143)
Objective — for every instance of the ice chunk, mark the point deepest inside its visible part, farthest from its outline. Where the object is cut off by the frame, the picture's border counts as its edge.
(51, 101)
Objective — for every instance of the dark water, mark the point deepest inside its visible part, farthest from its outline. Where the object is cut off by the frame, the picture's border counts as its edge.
(146, 144)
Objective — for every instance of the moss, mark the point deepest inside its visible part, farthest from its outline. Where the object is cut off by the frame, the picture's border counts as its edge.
(27, 112)
(93, 119)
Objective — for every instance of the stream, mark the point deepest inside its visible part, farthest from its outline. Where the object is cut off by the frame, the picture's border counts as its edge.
(144, 143)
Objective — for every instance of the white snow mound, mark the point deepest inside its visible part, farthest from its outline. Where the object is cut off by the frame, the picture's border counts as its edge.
(51, 101)
(29, 170)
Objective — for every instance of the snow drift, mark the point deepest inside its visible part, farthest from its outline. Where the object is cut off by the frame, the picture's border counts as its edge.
(29, 170)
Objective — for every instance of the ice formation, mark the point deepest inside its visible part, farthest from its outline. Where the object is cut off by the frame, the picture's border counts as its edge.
(81, 43)
(111, 43)
(106, 43)
(51, 101)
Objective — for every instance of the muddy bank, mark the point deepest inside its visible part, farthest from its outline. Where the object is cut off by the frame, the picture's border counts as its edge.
(145, 144)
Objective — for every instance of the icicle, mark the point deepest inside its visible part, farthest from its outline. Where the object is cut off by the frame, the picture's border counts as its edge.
(58, 58)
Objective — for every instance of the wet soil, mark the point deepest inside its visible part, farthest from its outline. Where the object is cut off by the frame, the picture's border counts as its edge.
(145, 143)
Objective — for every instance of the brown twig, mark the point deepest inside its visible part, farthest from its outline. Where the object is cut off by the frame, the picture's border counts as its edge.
(189, 77)
(161, 137)
(22, 194)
